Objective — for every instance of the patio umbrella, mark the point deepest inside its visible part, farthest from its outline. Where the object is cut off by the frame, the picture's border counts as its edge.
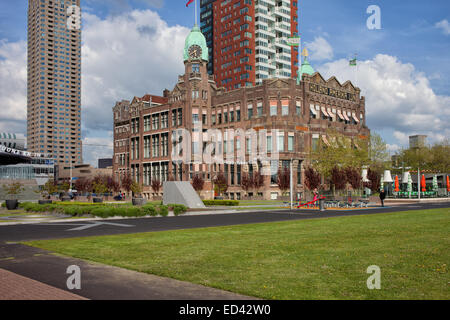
(409, 184)
(435, 183)
(423, 183)
(396, 185)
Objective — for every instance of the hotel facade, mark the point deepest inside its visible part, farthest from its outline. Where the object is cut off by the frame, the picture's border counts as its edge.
(198, 128)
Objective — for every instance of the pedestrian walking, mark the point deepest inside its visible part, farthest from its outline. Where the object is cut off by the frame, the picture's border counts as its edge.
(382, 197)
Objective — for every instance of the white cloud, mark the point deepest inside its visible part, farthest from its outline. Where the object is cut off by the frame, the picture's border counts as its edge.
(444, 25)
(97, 148)
(124, 56)
(320, 49)
(398, 97)
(13, 86)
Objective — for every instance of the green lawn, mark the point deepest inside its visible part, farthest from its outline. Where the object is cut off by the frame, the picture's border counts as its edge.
(309, 259)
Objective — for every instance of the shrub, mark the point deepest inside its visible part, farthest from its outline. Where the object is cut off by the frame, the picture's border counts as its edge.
(231, 203)
(150, 210)
(133, 212)
(177, 208)
(163, 210)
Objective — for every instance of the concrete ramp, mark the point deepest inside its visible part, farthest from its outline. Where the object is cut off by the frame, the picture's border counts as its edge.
(181, 192)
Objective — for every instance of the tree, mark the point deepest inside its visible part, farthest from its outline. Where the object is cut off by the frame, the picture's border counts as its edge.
(353, 177)
(156, 185)
(198, 183)
(374, 178)
(258, 180)
(48, 189)
(126, 183)
(13, 190)
(99, 188)
(112, 184)
(435, 158)
(338, 178)
(339, 150)
(220, 184)
(284, 179)
(312, 178)
(64, 187)
(378, 153)
(136, 189)
(246, 182)
(83, 185)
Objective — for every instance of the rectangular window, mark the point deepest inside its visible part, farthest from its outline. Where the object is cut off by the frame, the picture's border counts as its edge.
(291, 143)
(269, 143)
(281, 142)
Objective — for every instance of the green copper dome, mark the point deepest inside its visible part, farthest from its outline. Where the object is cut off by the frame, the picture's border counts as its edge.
(305, 69)
(195, 37)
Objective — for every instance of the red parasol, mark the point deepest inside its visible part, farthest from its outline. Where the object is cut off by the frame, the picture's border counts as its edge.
(396, 185)
(448, 184)
(423, 183)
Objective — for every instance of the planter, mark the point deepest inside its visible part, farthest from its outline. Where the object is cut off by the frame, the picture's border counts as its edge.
(45, 201)
(138, 201)
(12, 204)
(97, 200)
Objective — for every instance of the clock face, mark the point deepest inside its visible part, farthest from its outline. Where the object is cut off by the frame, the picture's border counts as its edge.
(195, 52)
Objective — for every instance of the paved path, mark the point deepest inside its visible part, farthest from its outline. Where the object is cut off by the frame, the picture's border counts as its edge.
(98, 281)
(16, 287)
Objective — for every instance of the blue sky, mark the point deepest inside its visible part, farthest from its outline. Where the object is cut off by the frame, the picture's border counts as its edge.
(413, 44)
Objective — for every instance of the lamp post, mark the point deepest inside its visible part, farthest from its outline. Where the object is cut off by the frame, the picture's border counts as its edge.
(291, 184)
(418, 182)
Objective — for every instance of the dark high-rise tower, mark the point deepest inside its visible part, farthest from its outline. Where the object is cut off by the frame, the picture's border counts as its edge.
(54, 79)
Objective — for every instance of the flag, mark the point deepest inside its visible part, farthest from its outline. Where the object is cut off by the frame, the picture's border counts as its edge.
(189, 2)
(353, 62)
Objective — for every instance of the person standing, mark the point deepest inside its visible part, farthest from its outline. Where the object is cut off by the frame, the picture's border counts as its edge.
(382, 197)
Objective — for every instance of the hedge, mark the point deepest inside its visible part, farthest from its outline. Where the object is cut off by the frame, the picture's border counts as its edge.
(103, 211)
(231, 203)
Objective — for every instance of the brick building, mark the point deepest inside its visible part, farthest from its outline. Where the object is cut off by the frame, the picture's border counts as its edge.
(248, 40)
(294, 114)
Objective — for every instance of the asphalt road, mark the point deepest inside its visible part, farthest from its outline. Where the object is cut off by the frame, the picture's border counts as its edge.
(57, 230)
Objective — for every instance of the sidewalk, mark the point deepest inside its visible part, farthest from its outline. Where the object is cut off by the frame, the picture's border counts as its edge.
(16, 287)
(98, 281)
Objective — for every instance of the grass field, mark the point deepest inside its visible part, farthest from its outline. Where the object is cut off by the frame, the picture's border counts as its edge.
(308, 259)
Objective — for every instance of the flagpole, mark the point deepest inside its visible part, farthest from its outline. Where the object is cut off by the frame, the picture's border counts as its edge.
(195, 12)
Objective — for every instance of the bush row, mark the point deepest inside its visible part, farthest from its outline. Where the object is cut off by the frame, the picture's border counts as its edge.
(232, 203)
(105, 211)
